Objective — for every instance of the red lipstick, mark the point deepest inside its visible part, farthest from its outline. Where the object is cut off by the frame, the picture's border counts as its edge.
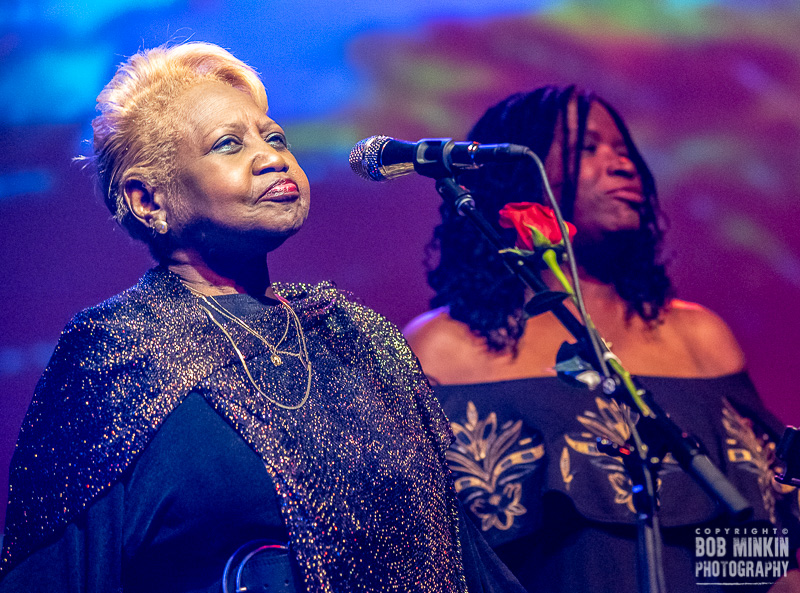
(284, 190)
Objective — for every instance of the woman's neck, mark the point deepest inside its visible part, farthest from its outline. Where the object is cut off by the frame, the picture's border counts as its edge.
(592, 289)
(228, 276)
(603, 303)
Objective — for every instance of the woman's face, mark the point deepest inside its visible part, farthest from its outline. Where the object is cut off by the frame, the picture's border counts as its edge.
(609, 192)
(237, 184)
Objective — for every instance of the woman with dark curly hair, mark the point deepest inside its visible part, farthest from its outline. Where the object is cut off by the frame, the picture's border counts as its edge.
(560, 513)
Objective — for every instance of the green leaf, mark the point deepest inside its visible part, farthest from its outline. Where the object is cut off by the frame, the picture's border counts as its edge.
(539, 239)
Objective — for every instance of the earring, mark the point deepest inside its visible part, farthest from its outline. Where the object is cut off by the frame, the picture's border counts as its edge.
(160, 226)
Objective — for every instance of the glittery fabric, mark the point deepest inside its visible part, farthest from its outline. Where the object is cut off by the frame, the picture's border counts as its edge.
(360, 469)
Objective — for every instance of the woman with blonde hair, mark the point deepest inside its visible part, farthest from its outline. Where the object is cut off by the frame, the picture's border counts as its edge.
(208, 429)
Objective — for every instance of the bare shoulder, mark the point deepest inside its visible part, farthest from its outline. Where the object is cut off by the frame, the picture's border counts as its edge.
(707, 337)
(441, 344)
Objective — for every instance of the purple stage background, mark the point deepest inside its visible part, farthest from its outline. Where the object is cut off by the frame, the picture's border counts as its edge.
(711, 93)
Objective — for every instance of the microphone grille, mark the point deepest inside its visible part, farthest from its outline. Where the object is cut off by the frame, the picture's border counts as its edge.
(365, 158)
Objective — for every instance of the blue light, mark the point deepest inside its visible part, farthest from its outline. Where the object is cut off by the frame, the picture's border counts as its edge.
(31, 181)
(12, 361)
(53, 86)
(76, 16)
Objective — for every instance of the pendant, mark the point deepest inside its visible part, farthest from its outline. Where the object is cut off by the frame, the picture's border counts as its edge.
(276, 360)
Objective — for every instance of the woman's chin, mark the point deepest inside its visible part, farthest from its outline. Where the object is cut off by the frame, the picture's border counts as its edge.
(217, 241)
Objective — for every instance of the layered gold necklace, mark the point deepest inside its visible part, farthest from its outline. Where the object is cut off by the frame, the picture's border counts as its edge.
(213, 307)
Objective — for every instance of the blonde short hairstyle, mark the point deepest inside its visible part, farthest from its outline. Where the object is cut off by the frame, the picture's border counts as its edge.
(138, 123)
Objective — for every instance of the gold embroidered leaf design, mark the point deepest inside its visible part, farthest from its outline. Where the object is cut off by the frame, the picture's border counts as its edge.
(499, 510)
(486, 467)
(622, 490)
(611, 421)
(755, 454)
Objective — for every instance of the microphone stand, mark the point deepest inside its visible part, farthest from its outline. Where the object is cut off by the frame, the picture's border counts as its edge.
(654, 435)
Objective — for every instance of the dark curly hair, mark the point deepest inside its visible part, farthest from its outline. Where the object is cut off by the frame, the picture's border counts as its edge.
(471, 279)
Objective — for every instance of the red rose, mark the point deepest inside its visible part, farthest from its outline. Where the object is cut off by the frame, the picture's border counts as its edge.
(523, 215)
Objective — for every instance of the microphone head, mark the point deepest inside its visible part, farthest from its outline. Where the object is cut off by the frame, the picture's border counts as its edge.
(365, 158)
(380, 158)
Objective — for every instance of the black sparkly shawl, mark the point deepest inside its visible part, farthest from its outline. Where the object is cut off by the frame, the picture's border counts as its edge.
(360, 469)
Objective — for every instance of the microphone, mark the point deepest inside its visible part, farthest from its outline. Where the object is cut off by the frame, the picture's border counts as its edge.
(380, 158)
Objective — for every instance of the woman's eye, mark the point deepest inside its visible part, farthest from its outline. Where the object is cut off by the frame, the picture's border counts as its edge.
(226, 144)
(590, 148)
(277, 140)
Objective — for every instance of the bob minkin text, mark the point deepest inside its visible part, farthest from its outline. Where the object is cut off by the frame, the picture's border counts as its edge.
(740, 555)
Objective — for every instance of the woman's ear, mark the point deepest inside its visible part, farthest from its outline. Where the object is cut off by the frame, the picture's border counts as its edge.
(145, 202)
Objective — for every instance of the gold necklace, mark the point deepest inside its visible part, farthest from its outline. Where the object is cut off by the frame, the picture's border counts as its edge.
(275, 359)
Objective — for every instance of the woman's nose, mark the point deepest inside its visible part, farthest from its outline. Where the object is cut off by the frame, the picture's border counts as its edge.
(268, 159)
(622, 165)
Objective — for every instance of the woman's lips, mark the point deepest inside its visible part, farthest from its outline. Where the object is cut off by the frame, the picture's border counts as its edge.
(282, 191)
(628, 194)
